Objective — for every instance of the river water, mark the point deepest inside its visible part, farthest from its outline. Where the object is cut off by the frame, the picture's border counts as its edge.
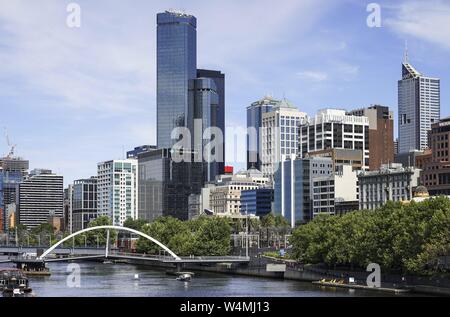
(118, 280)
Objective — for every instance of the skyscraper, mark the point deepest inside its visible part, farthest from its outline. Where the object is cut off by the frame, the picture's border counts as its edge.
(254, 122)
(279, 135)
(218, 112)
(176, 66)
(117, 190)
(419, 107)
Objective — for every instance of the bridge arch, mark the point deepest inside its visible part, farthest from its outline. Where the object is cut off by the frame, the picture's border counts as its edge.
(53, 247)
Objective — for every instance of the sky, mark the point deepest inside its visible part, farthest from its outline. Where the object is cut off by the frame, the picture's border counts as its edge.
(73, 97)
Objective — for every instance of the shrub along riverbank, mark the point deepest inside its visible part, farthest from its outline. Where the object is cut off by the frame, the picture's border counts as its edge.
(406, 238)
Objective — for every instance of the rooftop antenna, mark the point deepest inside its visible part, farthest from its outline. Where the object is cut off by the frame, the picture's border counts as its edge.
(405, 57)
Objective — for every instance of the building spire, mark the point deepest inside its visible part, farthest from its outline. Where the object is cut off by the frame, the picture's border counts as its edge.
(405, 57)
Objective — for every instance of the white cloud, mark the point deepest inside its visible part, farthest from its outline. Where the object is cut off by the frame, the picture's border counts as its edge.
(425, 20)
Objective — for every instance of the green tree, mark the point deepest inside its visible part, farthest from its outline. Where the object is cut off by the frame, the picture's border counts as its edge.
(136, 224)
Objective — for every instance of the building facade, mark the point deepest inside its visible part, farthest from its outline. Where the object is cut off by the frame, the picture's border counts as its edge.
(165, 185)
(257, 202)
(133, 154)
(436, 167)
(84, 203)
(254, 124)
(176, 66)
(334, 129)
(218, 113)
(12, 172)
(225, 192)
(391, 183)
(381, 134)
(279, 135)
(329, 193)
(419, 106)
(117, 190)
(41, 196)
(293, 187)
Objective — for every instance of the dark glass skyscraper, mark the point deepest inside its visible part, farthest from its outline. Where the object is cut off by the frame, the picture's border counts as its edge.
(176, 66)
(218, 112)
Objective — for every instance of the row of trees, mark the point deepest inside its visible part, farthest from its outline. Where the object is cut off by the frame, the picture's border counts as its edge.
(401, 238)
(46, 235)
(204, 236)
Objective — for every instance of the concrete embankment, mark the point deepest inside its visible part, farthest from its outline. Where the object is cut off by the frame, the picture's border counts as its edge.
(262, 267)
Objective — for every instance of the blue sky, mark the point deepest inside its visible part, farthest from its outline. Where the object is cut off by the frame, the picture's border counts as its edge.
(73, 97)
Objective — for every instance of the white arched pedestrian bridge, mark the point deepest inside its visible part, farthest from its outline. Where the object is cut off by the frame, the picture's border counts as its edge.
(173, 258)
(51, 249)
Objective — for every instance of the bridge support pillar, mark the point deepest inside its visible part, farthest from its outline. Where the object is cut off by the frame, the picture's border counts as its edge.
(180, 267)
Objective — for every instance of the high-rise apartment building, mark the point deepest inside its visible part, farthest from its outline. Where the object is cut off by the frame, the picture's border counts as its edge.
(381, 134)
(41, 196)
(254, 124)
(419, 106)
(117, 190)
(84, 203)
(334, 129)
(279, 135)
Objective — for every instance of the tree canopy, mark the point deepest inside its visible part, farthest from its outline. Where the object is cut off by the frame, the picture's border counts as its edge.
(401, 238)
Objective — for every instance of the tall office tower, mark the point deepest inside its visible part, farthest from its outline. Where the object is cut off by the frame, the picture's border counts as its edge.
(176, 66)
(254, 124)
(117, 193)
(41, 196)
(334, 129)
(419, 106)
(206, 104)
(218, 113)
(381, 134)
(164, 186)
(436, 170)
(13, 171)
(84, 203)
(279, 135)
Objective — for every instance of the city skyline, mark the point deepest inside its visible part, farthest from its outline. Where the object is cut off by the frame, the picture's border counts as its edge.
(84, 93)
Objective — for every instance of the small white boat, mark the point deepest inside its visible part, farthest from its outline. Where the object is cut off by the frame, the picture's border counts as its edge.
(184, 277)
(107, 262)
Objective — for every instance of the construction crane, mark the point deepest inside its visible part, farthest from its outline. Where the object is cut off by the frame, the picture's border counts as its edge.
(12, 147)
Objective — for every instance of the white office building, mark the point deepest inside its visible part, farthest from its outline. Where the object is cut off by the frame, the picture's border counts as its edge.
(334, 129)
(117, 193)
(419, 107)
(279, 135)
